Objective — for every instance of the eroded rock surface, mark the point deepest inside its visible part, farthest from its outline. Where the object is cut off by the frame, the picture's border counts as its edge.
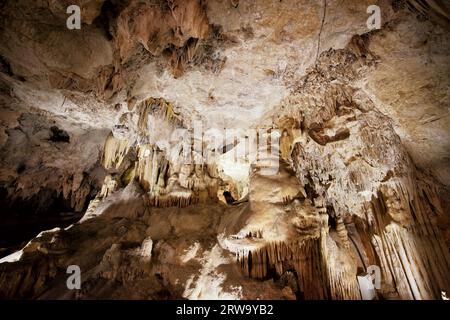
(99, 137)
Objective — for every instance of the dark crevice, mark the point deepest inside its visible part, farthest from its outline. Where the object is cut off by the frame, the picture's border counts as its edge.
(22, 219)
(59, 135)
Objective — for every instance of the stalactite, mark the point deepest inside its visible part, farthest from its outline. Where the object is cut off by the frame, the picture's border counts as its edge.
(321, 272)
(305, 257)
(166, 201)
(158, 108)
(342, 233)
(151, 168)
(341, 271)
(114, 152)
(400, 234)
(173, 186)
(398, 207)
(76, 189)
(343, 284)
(414, 254)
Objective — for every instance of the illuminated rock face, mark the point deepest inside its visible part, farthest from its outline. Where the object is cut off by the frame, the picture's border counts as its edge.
(225, 150)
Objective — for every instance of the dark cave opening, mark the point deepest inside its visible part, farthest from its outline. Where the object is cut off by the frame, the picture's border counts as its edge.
(23, 219)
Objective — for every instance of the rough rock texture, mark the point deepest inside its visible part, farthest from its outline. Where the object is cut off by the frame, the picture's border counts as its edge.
(99, 137)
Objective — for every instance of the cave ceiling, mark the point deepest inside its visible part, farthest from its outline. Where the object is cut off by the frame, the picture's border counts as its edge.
(88, 117)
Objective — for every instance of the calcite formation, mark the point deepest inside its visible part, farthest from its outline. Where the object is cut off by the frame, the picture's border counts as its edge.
(206, 149)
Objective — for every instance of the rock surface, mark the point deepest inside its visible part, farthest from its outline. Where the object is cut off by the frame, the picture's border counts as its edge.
(141, 138)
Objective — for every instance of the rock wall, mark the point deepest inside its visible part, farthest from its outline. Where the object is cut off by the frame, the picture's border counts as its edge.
(97, 129)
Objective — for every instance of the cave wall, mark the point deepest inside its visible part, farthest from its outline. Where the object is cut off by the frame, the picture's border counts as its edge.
(87, 127)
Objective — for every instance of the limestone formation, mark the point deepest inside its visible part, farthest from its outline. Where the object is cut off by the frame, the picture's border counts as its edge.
(208, 149)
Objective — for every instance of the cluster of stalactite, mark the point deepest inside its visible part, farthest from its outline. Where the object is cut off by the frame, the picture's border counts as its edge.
(409, 245)
(167, 184)
(151, 168)
(173, 185)
(436, 10)
(322, 269)
(158, 108)
(401, 218)
(318, 275)
(366, 180)
(305, 257)
(114, 152)
(342, 233)
(72, 190)
(398, 228)
(165, 201)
